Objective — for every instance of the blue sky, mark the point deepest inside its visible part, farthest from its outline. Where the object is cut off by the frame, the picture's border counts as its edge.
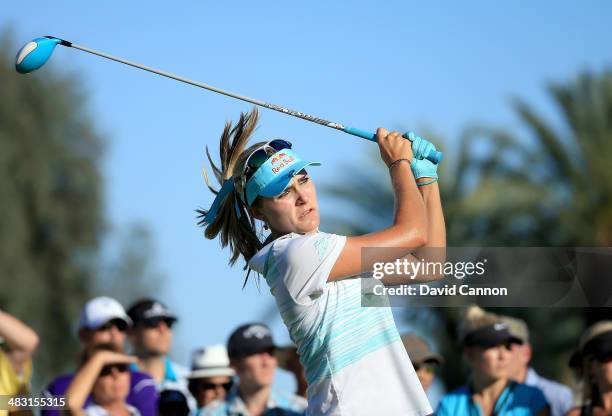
(398, 64)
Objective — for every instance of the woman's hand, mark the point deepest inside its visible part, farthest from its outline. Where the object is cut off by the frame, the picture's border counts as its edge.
(393, 146)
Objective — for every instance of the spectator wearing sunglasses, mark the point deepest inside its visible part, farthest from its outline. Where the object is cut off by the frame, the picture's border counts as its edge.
(593, 365)
(151, 339)
(211, 376)
(105, 377)
(251, 352)
(104, 321)
(424, 360)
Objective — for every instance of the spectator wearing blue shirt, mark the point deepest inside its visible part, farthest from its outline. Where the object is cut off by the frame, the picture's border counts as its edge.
(558, 396)
(490, 391)
(593, 362)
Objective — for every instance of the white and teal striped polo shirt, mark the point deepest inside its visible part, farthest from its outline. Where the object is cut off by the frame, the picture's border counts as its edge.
(354, 359)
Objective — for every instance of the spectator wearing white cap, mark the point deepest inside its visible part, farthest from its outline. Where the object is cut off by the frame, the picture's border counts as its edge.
(251, 351)
(104, 321)
(558, 396)
(151, 338)
(211, 376)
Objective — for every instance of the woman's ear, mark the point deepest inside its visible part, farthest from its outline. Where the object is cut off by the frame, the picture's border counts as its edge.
(257, 214)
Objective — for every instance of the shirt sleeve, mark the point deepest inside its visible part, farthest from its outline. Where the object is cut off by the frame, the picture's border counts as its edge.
(143, 394)
(538, 401)
(302, 263)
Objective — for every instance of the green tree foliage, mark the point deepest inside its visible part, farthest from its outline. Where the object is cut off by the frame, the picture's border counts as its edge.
(53, 233)
(51, 211)
(545, 187)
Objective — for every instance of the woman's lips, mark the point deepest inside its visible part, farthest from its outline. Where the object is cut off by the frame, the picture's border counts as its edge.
(307, 212)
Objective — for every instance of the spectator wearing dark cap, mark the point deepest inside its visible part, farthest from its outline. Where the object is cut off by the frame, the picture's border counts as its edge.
(251, 351)
(151, 338)
(104, 321)
(211, 376)
(558, 396)
(423, 359)
(593, 362)
(486, 350)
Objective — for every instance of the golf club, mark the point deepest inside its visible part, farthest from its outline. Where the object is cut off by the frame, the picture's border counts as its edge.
(36, 53)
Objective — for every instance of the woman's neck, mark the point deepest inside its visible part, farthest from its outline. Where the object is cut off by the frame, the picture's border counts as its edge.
(486, 391)
(117, 407)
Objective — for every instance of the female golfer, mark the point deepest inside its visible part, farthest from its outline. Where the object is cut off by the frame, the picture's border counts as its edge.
(354, 359)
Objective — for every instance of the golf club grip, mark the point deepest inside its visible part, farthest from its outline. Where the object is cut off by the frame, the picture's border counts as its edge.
(434, 156)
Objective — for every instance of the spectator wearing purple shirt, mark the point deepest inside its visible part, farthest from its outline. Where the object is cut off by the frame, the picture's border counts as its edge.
(104, 321)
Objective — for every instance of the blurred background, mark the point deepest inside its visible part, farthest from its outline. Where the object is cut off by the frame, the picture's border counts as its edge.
(100, 164)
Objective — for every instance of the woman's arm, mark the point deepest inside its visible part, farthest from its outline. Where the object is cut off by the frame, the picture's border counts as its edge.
(21, 339)
(409, 229)
(83, 382)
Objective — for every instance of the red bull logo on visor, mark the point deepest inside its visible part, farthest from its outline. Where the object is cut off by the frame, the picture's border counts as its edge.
(282, 159)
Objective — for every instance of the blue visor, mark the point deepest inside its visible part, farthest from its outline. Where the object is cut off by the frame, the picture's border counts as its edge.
(273, 177)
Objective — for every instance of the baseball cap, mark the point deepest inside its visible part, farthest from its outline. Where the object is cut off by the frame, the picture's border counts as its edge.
(275, 174)
(147, 309)
(517, 327)
(99, 311)
(249, 339)
(490, 336)
(418, 349)
(210, 362)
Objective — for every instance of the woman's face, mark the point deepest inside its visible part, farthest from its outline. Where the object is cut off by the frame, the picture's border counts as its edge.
(493, 363)
(602, 372)
(112, 385)
(293, 211)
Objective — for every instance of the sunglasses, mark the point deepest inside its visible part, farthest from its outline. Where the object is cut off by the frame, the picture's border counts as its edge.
(152, 323)
(107, 370)
(428, 367)
(259, 156)
(117, 323)
(204, 385)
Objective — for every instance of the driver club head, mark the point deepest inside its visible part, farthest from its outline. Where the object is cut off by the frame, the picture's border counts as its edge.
(35, 54)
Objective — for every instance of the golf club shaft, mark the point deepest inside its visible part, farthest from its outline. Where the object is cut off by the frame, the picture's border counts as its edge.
(434, 156)
(210, 88)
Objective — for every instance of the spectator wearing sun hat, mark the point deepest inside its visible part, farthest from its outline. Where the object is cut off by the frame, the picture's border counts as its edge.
(104, 321)
(558, 396)
(211, 376)
(423, 359)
